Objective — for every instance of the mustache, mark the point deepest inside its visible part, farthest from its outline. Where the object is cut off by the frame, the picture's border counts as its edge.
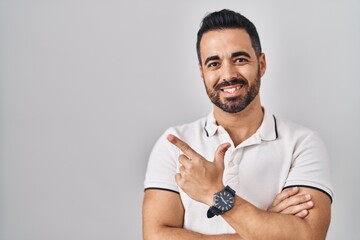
(235, 81)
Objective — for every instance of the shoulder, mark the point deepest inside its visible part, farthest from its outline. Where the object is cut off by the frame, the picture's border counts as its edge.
(291, 130)
(300, 139)
(310, 166)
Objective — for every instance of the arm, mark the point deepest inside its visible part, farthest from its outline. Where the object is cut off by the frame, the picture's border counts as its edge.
(200, 179)
(290, 201)
(253, 223)
(163, 215)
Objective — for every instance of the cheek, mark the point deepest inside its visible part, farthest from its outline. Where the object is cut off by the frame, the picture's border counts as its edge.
(210, 80)
(249, 73)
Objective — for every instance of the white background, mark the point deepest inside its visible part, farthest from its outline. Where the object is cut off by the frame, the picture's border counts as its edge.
(86, 88)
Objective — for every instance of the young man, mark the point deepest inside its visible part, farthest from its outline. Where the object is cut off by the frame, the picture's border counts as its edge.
(271, 167)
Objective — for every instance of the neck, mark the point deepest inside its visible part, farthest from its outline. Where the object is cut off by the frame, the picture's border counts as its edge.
(241, 125)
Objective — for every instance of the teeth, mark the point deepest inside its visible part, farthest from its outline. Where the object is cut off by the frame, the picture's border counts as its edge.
(231, 90)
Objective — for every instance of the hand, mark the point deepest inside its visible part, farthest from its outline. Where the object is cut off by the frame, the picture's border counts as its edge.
(292, 203)
(198, 177)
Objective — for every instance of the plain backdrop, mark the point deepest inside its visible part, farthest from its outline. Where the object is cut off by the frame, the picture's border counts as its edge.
(87, 87)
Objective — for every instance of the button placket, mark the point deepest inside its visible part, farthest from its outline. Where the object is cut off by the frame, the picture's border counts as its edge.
(228, 158)
(225, 138)
(232, 176)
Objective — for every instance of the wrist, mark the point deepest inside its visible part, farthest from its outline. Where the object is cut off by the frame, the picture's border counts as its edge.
(209, 200)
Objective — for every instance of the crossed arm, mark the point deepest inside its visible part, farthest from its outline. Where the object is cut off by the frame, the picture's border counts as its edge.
(286, 218)
(252, 223)
(163, 214)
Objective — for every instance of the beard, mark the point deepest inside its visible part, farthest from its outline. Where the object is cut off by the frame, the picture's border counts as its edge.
(238, 103)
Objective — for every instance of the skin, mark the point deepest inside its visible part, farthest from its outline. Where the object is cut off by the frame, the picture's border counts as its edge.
(222, 45)
(296, 213)
(163, 214)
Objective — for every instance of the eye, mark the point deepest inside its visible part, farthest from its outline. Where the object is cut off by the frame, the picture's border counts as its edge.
(241, 60)
(213, 64)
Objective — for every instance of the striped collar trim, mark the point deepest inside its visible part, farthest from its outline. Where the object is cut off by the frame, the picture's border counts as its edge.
(267, 131)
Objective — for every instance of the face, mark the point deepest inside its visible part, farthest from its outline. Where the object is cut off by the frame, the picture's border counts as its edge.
(230, 69)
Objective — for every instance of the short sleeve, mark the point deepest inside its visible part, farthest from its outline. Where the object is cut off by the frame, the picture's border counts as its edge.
(311, 165)
(162, 166)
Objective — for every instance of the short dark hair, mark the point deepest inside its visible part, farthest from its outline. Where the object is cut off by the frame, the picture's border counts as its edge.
(226, 19)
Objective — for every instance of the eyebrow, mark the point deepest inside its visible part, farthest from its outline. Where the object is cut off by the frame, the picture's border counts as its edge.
(211, 58)
(240, 53)
(235, 54)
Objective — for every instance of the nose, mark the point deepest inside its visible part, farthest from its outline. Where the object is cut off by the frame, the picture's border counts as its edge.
(229, 72)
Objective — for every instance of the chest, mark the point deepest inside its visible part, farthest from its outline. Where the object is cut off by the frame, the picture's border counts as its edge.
(256, 172)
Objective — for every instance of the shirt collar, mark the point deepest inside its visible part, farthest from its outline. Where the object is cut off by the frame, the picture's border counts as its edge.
(210, 125)
(267, 130)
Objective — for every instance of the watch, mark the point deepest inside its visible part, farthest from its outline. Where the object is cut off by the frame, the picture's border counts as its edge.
(223, 202)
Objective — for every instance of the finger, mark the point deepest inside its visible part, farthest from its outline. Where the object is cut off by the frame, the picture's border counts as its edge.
(183, 146)
(298, 200)
(178, 179)
(182, 170)
(220, 154)
(286, 204)
(184, 160)
(286, 193)
(297, 209)
(302, 214)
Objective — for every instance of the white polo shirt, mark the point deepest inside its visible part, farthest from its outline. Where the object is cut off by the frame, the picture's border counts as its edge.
(280, 154)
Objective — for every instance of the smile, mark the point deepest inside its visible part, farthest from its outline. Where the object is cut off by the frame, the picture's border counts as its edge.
(231, 89)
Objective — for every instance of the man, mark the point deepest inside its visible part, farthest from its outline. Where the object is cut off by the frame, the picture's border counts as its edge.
(240, 173)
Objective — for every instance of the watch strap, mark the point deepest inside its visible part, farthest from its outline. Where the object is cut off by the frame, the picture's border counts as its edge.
(213, 211)
(230, 190)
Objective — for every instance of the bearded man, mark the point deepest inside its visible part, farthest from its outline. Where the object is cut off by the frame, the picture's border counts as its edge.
(240, 172)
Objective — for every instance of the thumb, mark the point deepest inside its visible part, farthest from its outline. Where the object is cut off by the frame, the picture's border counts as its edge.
(220, 153)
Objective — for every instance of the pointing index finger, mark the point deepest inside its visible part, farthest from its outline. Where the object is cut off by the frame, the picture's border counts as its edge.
(183, 146)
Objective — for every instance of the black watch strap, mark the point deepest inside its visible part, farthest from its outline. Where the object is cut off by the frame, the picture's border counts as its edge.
(230, 190)
(213, 211)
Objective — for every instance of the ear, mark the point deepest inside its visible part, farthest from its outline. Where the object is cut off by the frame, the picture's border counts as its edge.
(201, 71)
(262, 62)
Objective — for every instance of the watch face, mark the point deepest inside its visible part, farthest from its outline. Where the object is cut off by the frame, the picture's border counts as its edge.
(224, 201)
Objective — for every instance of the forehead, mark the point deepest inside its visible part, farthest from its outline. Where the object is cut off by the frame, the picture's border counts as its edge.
(224, 42)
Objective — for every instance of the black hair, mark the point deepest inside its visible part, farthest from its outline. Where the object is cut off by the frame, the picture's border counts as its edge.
(226, 19)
